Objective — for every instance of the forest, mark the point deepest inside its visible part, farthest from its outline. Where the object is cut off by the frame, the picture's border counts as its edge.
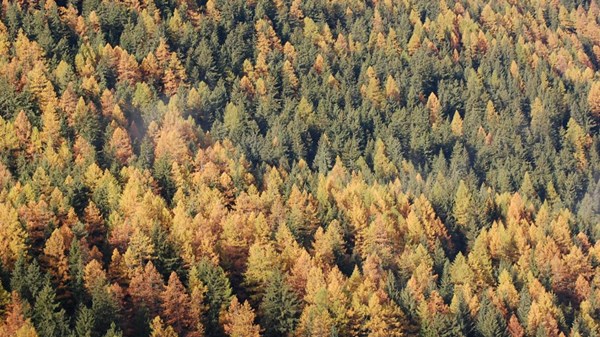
(299, 168)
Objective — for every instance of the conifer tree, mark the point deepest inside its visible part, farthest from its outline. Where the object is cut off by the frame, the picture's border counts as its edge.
(58, 265)
(159, 329)
(47, 316)
(217, 295)
(15, 323)
(176, 307)
(490, 321)
(94, 226)
(238, 321)
(594, 99)
(113, 331)
(84, 324)
(12, 236)
(279, 309)
(106, 308)
(145, 289)
(120, 144)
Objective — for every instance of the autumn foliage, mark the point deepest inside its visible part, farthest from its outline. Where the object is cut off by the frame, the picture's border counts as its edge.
(294, 168)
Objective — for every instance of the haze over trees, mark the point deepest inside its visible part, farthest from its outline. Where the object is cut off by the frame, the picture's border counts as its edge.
(299, 168)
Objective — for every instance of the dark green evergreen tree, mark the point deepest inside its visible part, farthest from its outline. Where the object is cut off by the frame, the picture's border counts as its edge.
(217, 296)
(48, 318)
(279, 309)
(490, 322)
(84, 324)
(27, 279)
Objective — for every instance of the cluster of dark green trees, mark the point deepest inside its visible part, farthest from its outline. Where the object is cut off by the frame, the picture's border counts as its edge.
(299, 168)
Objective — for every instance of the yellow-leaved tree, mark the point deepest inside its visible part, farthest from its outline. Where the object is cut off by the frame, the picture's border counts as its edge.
(238, 320)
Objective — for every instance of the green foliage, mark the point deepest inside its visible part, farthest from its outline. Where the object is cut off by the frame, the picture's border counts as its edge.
(490, 322)
(47, 316)
(113, 331)
(84, 324)
(105, 310)
(27, 279)
(217, 296)
(280, 308)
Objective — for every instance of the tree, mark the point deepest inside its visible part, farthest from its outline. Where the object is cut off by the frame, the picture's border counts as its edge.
(174, 75)
(462, 315)
(490, 322)
(94, 276)
(145, 289)
(85, 121)
(290, 78)
(58, 265)
(51, 126)
(12, 236)
(4, 41)
(302, 215)
(113, 331)
(385, 318)
(150, 68)
(171, 145)
(47, 316)
(315, 321)
(140, 250)
(480, 261)
(105, 308)
(167, 253)
(328, 245)
(15, 323)
(463, 211)
(176, 307)
(392, 91)
(128, 69)
(457, 124)
(94, 225)
(238, 321)
(462, 205)
(415, 40)
(385, 170)
(41, 87)
(84, 324)
(262, 264)
(373, 88)
(38, 219)
(435, 110)
(566, 272)
(217, 295)
(120, 145)
(197, 304)
(158, 329)
(506, 290)
(514, 327)
(323, 160)
(117, 270)
(594, 99)
(579, 140)
(27, 279)
(23, 129)
(279, 309)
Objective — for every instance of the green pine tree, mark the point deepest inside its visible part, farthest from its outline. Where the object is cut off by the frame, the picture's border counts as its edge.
(48, 318)
(280, 308)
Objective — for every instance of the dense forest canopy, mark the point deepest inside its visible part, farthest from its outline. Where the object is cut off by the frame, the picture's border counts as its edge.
(299, 168)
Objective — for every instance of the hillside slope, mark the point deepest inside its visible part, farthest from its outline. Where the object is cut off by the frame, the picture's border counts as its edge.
(299, 168)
